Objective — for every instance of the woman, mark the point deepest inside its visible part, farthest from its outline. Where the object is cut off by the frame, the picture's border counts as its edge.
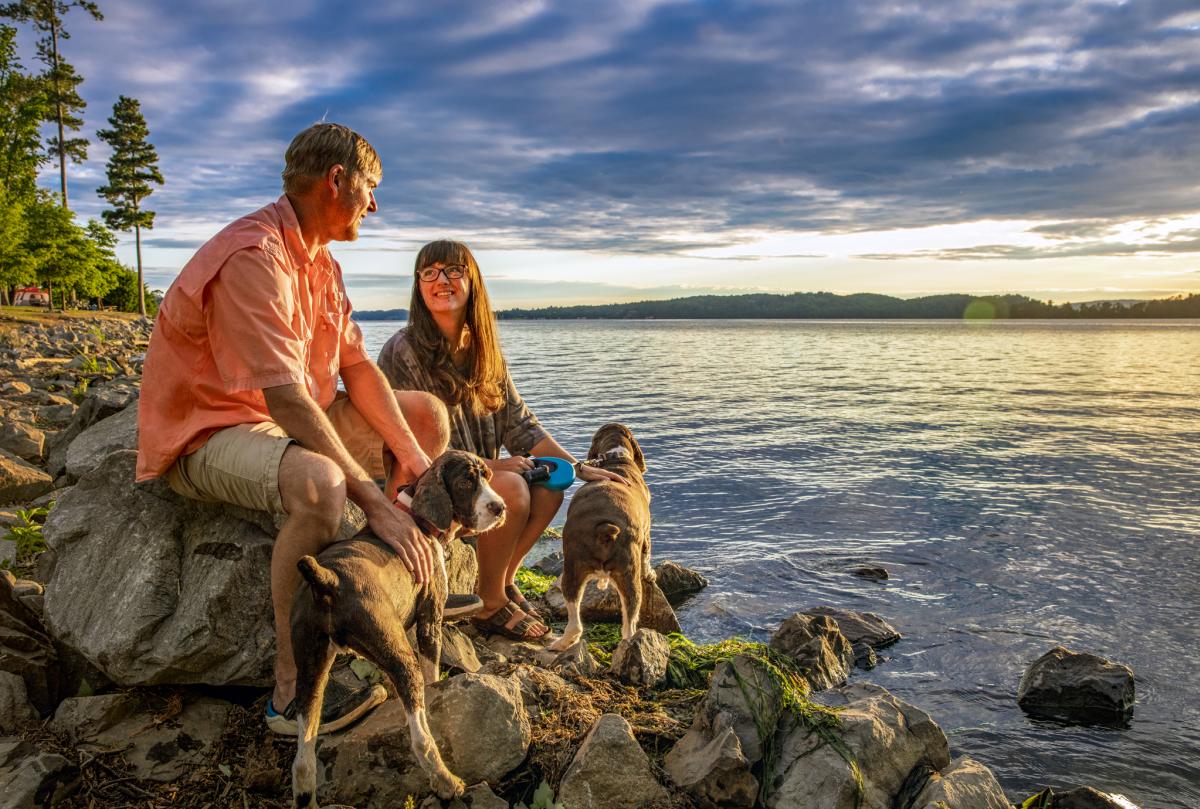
(450, 348)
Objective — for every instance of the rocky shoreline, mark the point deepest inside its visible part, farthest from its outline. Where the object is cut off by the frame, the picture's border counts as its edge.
(136, 643)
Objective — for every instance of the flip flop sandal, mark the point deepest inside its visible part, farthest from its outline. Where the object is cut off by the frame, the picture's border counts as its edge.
(497, 623)
(515, 596)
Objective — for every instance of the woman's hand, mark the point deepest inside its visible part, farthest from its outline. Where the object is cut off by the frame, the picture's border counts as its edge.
(517, 463)
(590, 473)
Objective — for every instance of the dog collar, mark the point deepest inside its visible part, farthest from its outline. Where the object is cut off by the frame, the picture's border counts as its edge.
(403, 501)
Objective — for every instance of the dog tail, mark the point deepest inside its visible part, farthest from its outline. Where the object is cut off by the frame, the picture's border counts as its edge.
(608, 532)
(323, 581)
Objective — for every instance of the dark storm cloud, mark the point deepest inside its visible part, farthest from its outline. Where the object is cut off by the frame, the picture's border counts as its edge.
(639, 126)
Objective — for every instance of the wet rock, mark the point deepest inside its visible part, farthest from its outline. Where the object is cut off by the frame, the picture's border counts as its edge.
(31, 779)
(610, 770)
(965, 784)
(15, 707)
(480, 726)
(714, 772)
(604, 606)
(103, 438)
(1088, 798)
(884, 735)
(1077, 686)
(818, 646)
(576, 660)
(677, 582)
(864, 656)
(550, 565)
(860, 627)
(161, 742)
(641, 660)
(21, 481)
(23, 440)
(871, 573)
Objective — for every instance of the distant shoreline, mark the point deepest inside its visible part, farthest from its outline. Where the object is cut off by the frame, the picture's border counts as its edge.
(861, 306)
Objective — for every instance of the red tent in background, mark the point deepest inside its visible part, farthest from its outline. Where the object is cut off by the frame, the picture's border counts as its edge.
(31, 296)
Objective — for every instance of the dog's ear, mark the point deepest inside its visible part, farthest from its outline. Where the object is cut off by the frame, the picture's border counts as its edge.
(431, 501)
(638, 458)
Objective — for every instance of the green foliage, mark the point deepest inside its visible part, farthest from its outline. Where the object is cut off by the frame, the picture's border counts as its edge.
(80, 390)
(23, 106)
(532, 583)
(1042, 800)
(543, 798)
(125, 295)
(27, 535)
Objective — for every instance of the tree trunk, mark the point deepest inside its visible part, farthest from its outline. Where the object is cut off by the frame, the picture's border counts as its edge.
(137, 234)
(50, 286)
(62, 146)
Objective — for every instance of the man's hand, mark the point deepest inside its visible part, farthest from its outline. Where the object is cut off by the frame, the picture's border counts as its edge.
(410, 466)
(401, 534)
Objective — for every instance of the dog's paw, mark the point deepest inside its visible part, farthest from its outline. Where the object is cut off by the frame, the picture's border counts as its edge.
(447, 785)
(563, 643)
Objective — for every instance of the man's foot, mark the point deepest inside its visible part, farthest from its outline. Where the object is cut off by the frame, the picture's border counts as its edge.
(511, 622)
(461, 605)
(343, 706)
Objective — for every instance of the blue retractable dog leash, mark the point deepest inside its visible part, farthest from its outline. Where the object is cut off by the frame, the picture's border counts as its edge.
(555, 474)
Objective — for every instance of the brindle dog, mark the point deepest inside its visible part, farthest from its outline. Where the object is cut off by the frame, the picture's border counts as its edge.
(607, 533)
(358, 595)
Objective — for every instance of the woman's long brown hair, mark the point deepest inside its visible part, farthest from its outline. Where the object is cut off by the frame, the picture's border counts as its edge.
(480, 386)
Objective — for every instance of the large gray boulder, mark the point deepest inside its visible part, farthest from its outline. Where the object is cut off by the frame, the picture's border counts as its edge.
(478, 721)
(103, 438)
(604, 606)
(878, 736)
(610, 770)
(714, 772)
(1077, 686)
(21, 481)
(104, 400)
(154, 588)
(817, 646)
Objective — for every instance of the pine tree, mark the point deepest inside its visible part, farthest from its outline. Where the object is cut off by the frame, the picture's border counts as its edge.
(62, 82)
(132, 167)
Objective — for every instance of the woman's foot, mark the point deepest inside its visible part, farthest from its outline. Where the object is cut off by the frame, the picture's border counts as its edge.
(516, 597)
(512, 622)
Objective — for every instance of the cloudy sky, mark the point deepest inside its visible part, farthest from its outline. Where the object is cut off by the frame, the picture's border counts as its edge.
(627, 149)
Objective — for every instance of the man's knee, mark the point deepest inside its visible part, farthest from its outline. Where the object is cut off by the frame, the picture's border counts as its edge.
(312, 487)
(427, 418)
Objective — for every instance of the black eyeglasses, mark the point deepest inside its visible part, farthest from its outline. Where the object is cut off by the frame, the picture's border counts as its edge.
(453, 272)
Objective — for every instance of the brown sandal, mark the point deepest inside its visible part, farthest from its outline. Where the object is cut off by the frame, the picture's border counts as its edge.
(497, 623)
(516, 597)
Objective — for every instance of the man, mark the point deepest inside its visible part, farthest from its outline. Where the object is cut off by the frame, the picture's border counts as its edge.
(239, 396)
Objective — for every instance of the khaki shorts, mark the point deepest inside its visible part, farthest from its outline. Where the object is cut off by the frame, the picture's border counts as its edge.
(240, 464)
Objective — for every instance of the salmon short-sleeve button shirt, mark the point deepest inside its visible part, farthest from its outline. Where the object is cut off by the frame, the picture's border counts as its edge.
(250, 311)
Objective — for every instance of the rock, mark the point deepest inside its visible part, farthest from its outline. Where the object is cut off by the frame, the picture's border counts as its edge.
(20, 481)
(818, 646)
(871, 573)
(458, 652)
(23, 440)
(479, 796)
(26, 649)
(744, 696)
(158, 749)
(480, 726)
(56, 413)
(965, 784)
(860, 627)
(1088, 798)
(15, 707)
(31, 779)
(551, 565)
(610, 770)
(462, 567)
(515, 651)
(677, 582)
(864, 656)
(641, 660)
(1077, 686)
(885, 736)
(576, 660)
(101, 402)
(715, 772)
(604, 606)
(15, 387)
(97, 442)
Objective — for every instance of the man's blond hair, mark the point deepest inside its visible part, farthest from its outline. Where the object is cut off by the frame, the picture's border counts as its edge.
(319, 148)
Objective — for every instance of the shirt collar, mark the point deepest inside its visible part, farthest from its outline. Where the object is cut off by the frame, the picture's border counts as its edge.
(292, 239)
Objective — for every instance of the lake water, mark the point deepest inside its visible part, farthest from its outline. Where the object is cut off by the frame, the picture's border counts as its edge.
(1026, 483)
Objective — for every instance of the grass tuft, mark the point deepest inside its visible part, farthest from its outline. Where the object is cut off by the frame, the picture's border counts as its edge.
(533, 584)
